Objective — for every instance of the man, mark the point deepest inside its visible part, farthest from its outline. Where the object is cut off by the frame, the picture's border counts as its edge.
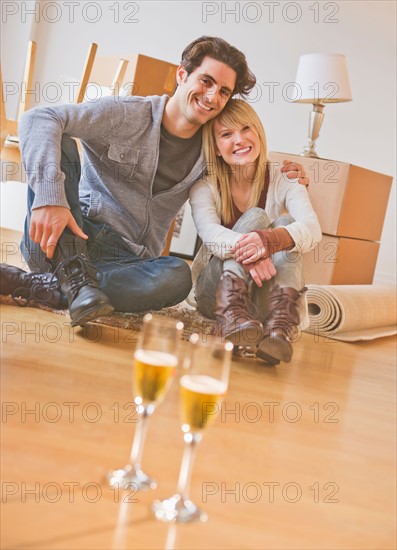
(110, 216)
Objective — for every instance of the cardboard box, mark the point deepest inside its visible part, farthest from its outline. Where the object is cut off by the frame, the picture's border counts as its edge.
(349, 201)
(341, 261)
(144, 75)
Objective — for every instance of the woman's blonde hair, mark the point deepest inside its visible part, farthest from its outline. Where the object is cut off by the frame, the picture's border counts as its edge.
(236, 113)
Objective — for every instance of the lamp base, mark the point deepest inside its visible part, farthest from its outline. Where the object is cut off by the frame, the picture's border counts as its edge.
(316, 119)
(309, 152)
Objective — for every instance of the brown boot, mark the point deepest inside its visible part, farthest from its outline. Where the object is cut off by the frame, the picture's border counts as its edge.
(234, 312)
(280, 325)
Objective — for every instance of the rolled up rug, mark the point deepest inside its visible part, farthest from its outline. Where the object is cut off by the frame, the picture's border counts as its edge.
(352, 312)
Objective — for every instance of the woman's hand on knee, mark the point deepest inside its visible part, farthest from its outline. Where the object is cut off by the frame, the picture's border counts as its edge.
(47, 224)
(249, 249)
(263, 270)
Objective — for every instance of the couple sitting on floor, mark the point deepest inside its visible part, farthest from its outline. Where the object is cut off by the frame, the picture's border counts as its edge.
(142, 159)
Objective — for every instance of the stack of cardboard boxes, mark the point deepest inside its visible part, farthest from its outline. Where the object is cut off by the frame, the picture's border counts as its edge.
(350, 203)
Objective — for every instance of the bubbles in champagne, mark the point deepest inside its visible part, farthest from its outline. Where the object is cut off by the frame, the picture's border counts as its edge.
(200, 397)
(153, 371)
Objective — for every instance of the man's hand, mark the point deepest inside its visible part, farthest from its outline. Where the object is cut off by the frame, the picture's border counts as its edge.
(248, 249)
(263, 270)
(47, 224)
(295, 170)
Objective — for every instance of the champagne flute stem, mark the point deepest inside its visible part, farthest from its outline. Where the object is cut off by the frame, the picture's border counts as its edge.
(189, 453)
(140, 435)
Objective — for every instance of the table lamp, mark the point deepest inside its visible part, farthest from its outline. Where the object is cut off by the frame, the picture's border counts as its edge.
(321, 78)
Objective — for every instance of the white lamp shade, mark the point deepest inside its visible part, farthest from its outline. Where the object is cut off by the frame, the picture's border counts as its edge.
(322, 78)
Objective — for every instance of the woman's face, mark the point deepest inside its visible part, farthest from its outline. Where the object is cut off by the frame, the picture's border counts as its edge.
(236, 145)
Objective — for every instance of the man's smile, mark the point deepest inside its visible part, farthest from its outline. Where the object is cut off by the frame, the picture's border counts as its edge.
(203, 106)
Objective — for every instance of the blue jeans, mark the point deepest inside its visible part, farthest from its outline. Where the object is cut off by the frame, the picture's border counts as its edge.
(131, 283)
(288, 266)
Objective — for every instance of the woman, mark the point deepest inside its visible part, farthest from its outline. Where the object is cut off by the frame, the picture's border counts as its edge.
(248, 273)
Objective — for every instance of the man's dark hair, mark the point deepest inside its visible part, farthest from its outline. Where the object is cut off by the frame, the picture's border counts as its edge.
(219, 49)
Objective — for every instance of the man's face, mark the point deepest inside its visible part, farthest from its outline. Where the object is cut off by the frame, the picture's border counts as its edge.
(204, 93)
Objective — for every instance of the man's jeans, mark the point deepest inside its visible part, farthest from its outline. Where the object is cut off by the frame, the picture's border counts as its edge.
(132, 284)
(288, 266)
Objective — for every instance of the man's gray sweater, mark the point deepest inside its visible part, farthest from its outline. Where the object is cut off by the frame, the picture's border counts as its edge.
(120, 140)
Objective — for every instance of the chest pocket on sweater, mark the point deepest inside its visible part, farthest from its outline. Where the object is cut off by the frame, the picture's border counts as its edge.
(122, 160)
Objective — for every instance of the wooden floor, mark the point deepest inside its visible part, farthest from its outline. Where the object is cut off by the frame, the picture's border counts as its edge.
(301, 456)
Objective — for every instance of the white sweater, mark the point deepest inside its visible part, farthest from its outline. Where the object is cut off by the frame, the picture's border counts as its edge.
(284, 196)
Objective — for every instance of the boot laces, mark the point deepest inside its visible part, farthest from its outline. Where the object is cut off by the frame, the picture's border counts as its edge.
(239, 301)
(284, 312)
(38, 288)
(79, 272)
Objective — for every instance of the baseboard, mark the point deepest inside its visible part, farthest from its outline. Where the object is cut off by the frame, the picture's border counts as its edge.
(385, 278)
(10, 248)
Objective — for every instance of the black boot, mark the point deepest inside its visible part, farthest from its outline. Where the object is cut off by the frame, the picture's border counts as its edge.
(280, 325)
(30, 287)
(77, 279)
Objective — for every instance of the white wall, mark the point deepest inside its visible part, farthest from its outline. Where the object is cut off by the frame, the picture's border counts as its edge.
(272, 35)
(15, 36)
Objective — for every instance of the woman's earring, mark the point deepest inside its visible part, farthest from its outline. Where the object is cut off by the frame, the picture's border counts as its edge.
(218, 154)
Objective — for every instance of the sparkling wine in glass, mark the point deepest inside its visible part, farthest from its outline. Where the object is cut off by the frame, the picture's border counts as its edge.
(155, 362)
(202, 388)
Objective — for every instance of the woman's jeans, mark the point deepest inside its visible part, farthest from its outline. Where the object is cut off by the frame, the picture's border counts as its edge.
(131, 283)
(288, 266)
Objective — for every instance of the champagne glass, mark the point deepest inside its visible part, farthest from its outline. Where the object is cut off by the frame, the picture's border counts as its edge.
(202, 387)
(155, 362)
